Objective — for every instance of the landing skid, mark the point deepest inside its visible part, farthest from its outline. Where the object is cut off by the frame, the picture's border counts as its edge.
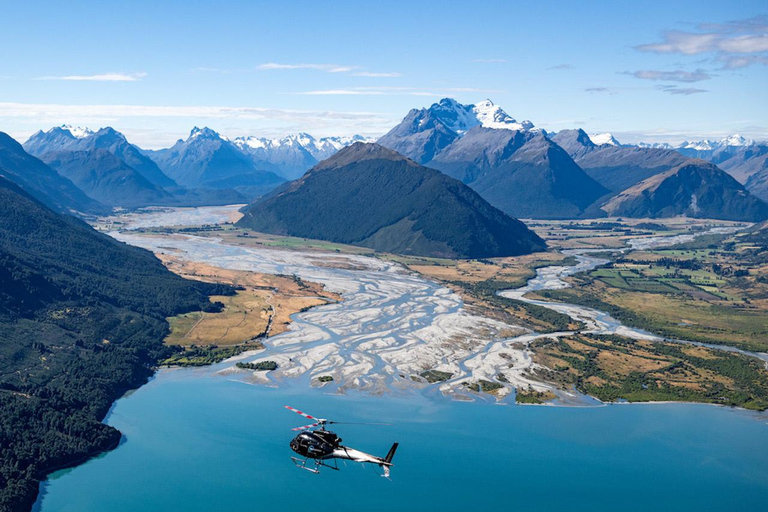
(302, 464)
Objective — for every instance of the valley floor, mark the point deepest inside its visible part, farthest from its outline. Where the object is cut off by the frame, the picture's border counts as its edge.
(395, 330)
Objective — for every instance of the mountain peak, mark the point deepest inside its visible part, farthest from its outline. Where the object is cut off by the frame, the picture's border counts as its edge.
(358, 152)
(203, 133)
(604, 138)
(77, 132)
(736, 140)
(461, 118)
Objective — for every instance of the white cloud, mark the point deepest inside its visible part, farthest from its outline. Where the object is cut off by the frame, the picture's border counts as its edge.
(365, 91)
(737, 43)
(103, 77)
(328, 68)
(395, 91)
(8, 109)
(377, 75)
(672, 76)
(686, 91)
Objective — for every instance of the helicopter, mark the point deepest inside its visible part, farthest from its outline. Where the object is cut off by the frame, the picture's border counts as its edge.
(323, 446)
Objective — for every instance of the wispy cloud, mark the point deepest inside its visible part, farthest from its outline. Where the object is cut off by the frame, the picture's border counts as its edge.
(396, 91)
(561, 67)
(155, 126)
(602, 90)
(497, 61)
(742, 61)
(52, 110)
(377, 75)
(672, 76)
(102, 77)
(673, 89)
(729, 42)
(365, 92)
(328, 68)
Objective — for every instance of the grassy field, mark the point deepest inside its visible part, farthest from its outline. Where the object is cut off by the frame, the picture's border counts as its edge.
(713, 289)
(613, 368)
(245, 316)
(261, 308)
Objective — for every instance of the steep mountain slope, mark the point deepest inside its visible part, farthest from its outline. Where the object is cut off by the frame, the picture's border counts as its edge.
(524, 174)
(82, 319)
(292, 156)
(695, 188)
(42, 182)
(742, 162)
(60, 139)
(205, 159)
(423, 133)
(371, 196)
(106, 178)
(742, 158)
(616, 167)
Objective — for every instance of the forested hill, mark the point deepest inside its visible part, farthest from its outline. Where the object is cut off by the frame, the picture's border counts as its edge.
(82, 318)
(371, 196)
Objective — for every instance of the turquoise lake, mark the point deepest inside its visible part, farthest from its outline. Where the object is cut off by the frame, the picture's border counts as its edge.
(198, 442)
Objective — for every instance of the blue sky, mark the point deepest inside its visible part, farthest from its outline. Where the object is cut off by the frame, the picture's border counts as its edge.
(653, 71)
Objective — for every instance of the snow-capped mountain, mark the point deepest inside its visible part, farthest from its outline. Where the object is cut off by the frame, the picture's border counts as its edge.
(732, 141)
(604, 138)
(462, 118)
(292, 155)
(492, 116)
(67, 138)
(56, 138)
(425, 132)
(208, 160)
(77, 132)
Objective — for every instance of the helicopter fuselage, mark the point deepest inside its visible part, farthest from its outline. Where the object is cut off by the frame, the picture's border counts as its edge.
(324, 444)
(319, 444)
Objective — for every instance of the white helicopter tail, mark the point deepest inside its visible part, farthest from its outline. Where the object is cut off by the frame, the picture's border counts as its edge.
(387, 461)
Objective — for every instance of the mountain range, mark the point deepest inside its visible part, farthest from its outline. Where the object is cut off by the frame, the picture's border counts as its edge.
(695, 188)
(108, 168)
(511, 164)
(744, 159)
(519, 168)
(292, 156)
(66, 138)
(371, 196)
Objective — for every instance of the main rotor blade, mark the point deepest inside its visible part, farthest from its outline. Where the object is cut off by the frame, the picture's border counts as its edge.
(357, 423)
(305, 427)
(309, 416)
